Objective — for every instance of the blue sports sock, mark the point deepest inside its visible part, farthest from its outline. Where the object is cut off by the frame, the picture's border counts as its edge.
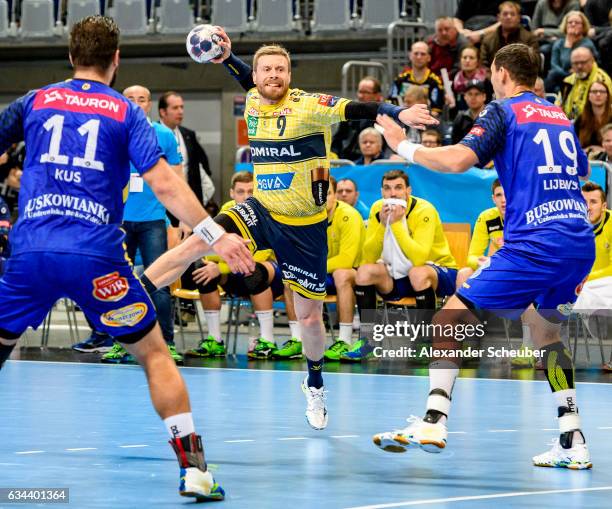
(315, 373)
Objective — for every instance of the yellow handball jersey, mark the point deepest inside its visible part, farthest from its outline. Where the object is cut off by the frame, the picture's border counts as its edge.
(603, 248)
(488, 229)
(290, 144)
(262, 255)
(345, 236)
(423, 241)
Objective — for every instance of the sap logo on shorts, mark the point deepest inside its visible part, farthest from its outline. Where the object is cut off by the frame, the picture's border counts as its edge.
(477, 130)
(110, 288)
(127, 316)
(565, 309)
(274, 181)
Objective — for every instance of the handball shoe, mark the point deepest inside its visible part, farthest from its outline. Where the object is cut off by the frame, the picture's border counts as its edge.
(576, 457)
(431, 437)
(316, 411)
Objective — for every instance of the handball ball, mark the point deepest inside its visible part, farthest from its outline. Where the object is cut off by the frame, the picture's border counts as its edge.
(202, 44)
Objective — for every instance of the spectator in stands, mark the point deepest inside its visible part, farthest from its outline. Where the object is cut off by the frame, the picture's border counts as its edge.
(431, 138)
(477, 18)
(445, 46)
(471, 69)
(196, 168)
(509, 31)
(262, 288)
(345, 236)
(415, 95)
(596, 114)
(345, 142)
(575, 27)
(5, 226)
(417, 261)
(546, 21)
(370, 146)
(539, 88)
(346, 191)
(598, 13)
(475, 97)
(602, 36)
(574, 90)
(420, 74)
(606, 141)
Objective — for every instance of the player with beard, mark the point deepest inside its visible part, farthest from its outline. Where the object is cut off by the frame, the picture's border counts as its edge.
(289, 134)
(81, 137)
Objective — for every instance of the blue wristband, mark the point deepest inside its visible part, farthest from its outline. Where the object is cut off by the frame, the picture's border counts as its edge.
(391, 110)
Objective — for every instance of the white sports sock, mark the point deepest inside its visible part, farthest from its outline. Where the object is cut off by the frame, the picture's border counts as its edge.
(180, 425)
(527, 341)
(266, 324)
(213, 319)
(294, 326)
(442, 375)
(346, 331)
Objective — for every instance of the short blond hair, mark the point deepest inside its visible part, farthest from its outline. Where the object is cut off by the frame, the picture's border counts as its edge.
(271, 49)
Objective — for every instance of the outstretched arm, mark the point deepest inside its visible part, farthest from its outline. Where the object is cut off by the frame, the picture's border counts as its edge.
(240, 71)
(450, 159)
(416, 116)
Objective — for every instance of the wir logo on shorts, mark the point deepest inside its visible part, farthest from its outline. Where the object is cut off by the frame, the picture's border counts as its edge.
(110, 288)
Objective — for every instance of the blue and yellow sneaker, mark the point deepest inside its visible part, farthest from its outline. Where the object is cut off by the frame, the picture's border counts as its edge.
(96, 343)
(118, 355)
(334, 352)
(262, 349)
(195, 479)
(360, 351)
(208, 347)
(291, 349)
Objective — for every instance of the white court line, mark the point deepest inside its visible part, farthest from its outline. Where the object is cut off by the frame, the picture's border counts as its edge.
(238, 441)
(293, 438)
(326, 373)
(83, 449)
(501, 430)
(478, 497)
(344, 436)
(29, 452)
(604, 427)
(133, 446)
(550, 429)
(457, 432)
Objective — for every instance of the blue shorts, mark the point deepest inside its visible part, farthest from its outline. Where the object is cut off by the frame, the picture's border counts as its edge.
(446, 284)
(301, 250)
(107, 291)
(511, 281)
(234, 286)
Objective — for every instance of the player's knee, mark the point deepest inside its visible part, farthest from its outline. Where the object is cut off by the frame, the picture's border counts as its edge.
(364, 275)
(210, 286)
(421, 278)
(344, 277)
(257, 282)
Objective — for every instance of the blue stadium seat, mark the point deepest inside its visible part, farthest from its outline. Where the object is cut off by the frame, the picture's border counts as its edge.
(230, 14)
(379, 13)
(274, 16)
(4, 18)
(174, 17)
(131, 16)
(78, 9)
(331, 15)
(37, 19)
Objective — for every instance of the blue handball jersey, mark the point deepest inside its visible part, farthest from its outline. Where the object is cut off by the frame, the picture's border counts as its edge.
(538, 158)
(80, 138)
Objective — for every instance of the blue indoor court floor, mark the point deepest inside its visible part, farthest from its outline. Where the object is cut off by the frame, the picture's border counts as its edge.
(92, 429)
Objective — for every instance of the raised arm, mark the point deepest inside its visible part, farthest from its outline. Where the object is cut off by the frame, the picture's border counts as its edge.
(239, 70)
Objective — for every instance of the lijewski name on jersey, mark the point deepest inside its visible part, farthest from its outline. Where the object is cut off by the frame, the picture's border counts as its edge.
(561, 209)
(127, 316)
(66, 205)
